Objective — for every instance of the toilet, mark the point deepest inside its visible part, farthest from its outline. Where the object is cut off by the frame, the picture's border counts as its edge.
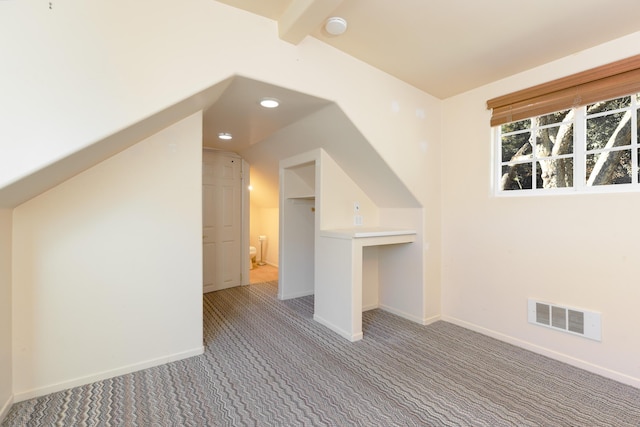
(252, 256)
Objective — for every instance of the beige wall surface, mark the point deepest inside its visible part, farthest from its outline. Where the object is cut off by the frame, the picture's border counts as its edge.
(497, 252)
(573, 250)
(338, 193)
(6, 390)
(155, 51)
(267, 225)
(263, 217)
(107, 267)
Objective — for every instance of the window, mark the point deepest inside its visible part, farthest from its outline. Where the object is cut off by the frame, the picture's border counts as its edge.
(576, 149)
(575, 134)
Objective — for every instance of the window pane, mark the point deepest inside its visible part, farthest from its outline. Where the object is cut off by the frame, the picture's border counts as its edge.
(555, 173)
(552, 118)
(514, 126)
(555, 140)
(539, 153)
(610, 105)
(610, 167)
(512, 144)
(600, 130)
(517, 176)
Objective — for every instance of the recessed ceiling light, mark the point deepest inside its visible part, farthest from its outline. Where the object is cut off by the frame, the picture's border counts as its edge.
(269, 102)
(335, 26)
(225, 135)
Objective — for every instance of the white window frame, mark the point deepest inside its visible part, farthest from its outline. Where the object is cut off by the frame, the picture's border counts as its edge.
(579, 157)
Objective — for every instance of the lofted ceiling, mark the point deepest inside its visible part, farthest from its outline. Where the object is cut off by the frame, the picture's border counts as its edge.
(238, 112)
(264, 136)
(446, 47)
(443, 47)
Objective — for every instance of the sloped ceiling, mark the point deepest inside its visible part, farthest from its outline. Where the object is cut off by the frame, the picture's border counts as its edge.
(262, 136)
(443, 47)
(446, 47)
(302, 123)
(237, 111)
(30, 186)
(344, 143)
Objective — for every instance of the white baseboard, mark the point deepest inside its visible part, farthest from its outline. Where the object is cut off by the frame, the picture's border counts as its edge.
(265, 263)
(351, 337)
(429, 320)
(64, 385)
(208, 288)
(570, 360)
(4, 410)
(370, 307)
(404, 315)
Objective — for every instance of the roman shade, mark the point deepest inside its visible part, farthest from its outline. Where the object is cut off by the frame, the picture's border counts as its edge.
(605, 82)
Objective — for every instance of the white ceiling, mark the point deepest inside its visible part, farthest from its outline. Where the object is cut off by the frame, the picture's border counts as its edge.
(446, 47)
(237, 111)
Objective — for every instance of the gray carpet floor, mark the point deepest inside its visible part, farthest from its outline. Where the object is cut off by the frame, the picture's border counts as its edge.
(267, 363)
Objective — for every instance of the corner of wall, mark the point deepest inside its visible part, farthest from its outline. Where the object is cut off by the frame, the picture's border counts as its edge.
(6, 325)
(122, 235)
(4, 410)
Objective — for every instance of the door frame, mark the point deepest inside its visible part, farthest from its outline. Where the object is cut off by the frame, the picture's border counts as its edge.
(245, 212)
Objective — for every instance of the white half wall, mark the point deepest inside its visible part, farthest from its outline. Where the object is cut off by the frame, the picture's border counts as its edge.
(107, 267)
(573, 250)
(6, 386)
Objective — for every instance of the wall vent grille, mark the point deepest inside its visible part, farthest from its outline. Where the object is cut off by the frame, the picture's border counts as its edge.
(584, 323)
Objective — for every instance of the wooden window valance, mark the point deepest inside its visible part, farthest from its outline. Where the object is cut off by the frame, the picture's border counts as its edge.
(598, 84)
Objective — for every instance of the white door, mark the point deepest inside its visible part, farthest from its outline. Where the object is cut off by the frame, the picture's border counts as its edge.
(222, 220)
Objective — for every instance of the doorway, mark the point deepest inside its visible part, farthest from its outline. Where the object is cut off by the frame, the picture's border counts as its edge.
(263, 273)
(224, 223)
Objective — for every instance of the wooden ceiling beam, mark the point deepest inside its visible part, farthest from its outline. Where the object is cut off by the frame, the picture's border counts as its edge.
(302, 17)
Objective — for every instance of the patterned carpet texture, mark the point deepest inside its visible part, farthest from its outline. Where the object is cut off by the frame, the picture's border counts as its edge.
(267, 363)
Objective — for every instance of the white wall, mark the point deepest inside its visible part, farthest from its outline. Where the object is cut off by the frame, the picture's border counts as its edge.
(337, 195)
(406, 293)
(6, 389)
(60, 96)
(576, 250)
(107, 267)
(155, 60)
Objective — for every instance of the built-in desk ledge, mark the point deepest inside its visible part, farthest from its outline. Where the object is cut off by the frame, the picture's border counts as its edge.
(363, 232)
